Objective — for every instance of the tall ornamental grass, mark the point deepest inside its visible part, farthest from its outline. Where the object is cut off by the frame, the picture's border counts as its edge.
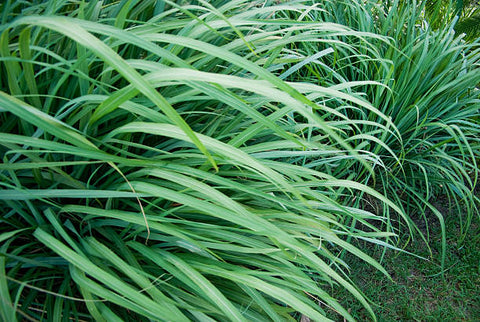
(427, 86)
(153, 163)
(212, 160)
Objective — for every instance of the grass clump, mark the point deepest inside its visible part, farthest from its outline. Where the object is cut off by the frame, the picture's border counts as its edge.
(180, 161)
(151, 166)
(426, 85)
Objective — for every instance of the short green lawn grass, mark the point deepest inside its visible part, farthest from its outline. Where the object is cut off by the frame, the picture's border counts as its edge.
(418, 292)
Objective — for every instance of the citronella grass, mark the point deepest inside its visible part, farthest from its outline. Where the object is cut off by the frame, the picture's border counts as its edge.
(134, 171)
(178, 161)
(426, 84)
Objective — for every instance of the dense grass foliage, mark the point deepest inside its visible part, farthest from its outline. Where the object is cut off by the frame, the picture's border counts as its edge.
(214, 159)
(429, 92)
(467, 12)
